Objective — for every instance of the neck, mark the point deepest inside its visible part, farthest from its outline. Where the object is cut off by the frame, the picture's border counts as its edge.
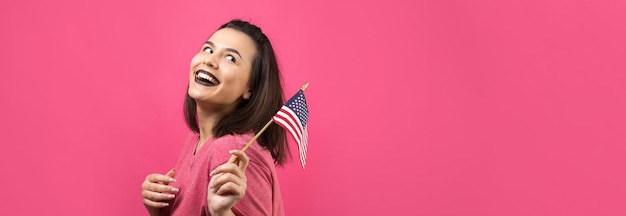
(206, 122)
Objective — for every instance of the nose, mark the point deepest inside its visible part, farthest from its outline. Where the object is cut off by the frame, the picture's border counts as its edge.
(209, 60)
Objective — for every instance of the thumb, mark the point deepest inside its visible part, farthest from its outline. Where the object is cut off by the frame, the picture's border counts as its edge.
(171, 173)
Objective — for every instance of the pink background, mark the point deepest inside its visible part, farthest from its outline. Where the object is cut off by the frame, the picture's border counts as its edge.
(417, 107)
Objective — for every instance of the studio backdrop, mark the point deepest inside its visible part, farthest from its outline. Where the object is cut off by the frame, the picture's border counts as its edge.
(417, 107)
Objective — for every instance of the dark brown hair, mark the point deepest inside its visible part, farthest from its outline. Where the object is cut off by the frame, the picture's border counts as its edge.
(265, 100)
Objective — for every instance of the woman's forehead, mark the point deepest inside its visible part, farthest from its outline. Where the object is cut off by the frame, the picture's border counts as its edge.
(231, 38)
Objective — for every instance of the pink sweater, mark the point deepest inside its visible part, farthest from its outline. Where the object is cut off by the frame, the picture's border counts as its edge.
(262, 196)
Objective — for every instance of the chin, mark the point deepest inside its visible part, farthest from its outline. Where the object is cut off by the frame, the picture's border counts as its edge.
(195, 95)
(194, 92)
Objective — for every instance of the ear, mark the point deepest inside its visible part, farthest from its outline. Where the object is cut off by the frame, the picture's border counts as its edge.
(246, 95)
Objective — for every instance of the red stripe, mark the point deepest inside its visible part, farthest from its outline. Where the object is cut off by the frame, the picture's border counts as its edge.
(295, 120)
(294, 127)
(295, 135)
(289, 125)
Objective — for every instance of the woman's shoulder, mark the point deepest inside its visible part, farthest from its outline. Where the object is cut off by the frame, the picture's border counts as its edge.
(237, 141)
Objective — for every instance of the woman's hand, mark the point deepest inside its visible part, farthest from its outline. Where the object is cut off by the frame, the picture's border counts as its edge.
(227, 185)
(155, 191)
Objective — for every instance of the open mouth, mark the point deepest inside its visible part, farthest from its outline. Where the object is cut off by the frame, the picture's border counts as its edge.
(206, 78)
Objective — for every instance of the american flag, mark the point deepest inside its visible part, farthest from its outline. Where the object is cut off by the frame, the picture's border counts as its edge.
(293, 116)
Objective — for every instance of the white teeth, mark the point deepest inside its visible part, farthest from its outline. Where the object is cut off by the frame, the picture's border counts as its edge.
(206, 77)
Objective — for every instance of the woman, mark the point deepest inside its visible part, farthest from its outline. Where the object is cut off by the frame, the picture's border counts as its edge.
(234, 89)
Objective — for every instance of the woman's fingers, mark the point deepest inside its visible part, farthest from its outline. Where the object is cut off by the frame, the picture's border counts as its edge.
(160, 178)
(228, 183)
(154, 204)
(228, 168)
(156, 196)
(242, 158)
(222, 178)
(156, 187)
(171, 173)
(155, 191)
(230, 178)
(230, 188)
(238, 168)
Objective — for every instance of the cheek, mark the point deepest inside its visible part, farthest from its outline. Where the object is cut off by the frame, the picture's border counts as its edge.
(240, 76)
(196, 60)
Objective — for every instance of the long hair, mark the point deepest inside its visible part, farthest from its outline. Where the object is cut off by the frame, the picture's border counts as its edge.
(266, 98)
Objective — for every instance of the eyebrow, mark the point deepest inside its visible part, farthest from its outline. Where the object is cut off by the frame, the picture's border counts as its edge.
(227, 49)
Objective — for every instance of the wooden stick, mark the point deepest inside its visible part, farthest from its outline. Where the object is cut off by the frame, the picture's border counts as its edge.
(234, 158)
(304, 86)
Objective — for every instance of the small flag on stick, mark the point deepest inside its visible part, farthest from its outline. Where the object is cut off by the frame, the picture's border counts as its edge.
(293, 117)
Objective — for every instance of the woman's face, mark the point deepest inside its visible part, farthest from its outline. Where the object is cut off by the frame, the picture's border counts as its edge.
(220, 72)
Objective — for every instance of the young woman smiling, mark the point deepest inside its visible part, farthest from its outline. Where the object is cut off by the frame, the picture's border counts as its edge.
(234, 89)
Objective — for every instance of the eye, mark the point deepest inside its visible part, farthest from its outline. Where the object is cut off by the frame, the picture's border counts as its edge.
(231, 58)
(208, 50)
